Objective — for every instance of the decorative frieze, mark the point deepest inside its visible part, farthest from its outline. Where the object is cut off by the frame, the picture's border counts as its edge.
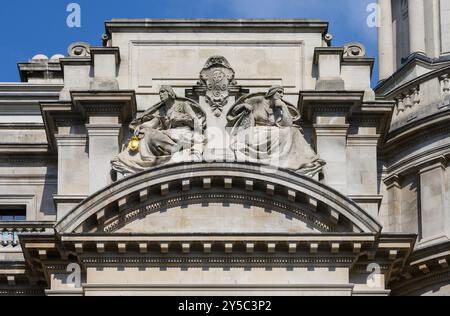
(407, 101)
(445, 84)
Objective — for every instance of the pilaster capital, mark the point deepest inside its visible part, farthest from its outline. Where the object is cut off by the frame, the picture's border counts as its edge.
(316, 103)
(392, 181)
(71, 140)
(436, 163)
(114, 103)
(104, 129)
(363, 140)
(331, 129)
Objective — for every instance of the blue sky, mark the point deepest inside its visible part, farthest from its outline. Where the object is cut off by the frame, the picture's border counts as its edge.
(29, 27)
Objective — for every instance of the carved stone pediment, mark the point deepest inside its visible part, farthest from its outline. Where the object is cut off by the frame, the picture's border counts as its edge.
(183, 199)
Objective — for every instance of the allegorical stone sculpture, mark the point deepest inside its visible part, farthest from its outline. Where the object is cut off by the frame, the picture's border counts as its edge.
(263, 130)
(260, 127)
(169, 132)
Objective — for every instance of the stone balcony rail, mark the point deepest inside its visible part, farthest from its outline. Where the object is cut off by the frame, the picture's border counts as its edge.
(424, 96)
(10, 231)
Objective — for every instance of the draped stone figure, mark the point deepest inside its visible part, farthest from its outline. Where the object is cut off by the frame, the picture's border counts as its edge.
(169, 132)
(264, 129)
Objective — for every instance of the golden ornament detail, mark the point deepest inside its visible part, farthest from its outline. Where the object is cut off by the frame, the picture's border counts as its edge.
(133, 145)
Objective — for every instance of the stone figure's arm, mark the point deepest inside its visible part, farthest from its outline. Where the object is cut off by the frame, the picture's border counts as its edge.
(188, 109)
(285, 119)
(153, 123)
(243, 106)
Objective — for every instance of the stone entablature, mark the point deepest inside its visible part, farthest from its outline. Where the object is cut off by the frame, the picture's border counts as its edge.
(101, 254)
(425, 270)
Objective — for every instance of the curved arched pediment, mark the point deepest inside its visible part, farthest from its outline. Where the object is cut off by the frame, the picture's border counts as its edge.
(217, 198)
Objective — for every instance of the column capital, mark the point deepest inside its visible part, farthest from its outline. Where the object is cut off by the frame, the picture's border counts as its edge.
(416, 15)
(385, 40)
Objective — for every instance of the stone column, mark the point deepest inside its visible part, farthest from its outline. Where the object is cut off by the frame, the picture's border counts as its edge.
(385, 40)
(394, 198)
(444, 10)
(105, 113)
(362, 172)
(329, 111)
(434, 215)
(416, 15)
(331, 140)
(104, 145)
(73, 172)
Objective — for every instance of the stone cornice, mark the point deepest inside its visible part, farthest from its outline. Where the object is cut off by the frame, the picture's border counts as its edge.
(341, 102)
(122, 103)
(379, 112)
(425, 267)
(85, 103)
(246, 25)
(435, 69)
(30, 88)
(18, 148)
(414, 163)
(366, 198)
(37, 160)
(72, 198)
(57, 114)
(349, 250)
(440, 162)
(105, 51)
(75, 61)
(22, 126)
(327, 51)
(422, 127)
(358, 61)
(49, 69)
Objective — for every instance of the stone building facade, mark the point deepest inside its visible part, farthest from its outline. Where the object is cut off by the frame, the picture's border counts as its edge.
(93, 203)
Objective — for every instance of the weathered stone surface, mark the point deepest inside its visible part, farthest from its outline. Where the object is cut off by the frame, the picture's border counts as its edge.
(372, 220)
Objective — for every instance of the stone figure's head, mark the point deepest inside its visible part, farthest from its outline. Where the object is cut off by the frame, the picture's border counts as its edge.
(166, 93)
(275, 92)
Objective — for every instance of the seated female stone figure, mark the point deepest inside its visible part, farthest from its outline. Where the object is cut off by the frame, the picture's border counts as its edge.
(168, 132)
(264, 130)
